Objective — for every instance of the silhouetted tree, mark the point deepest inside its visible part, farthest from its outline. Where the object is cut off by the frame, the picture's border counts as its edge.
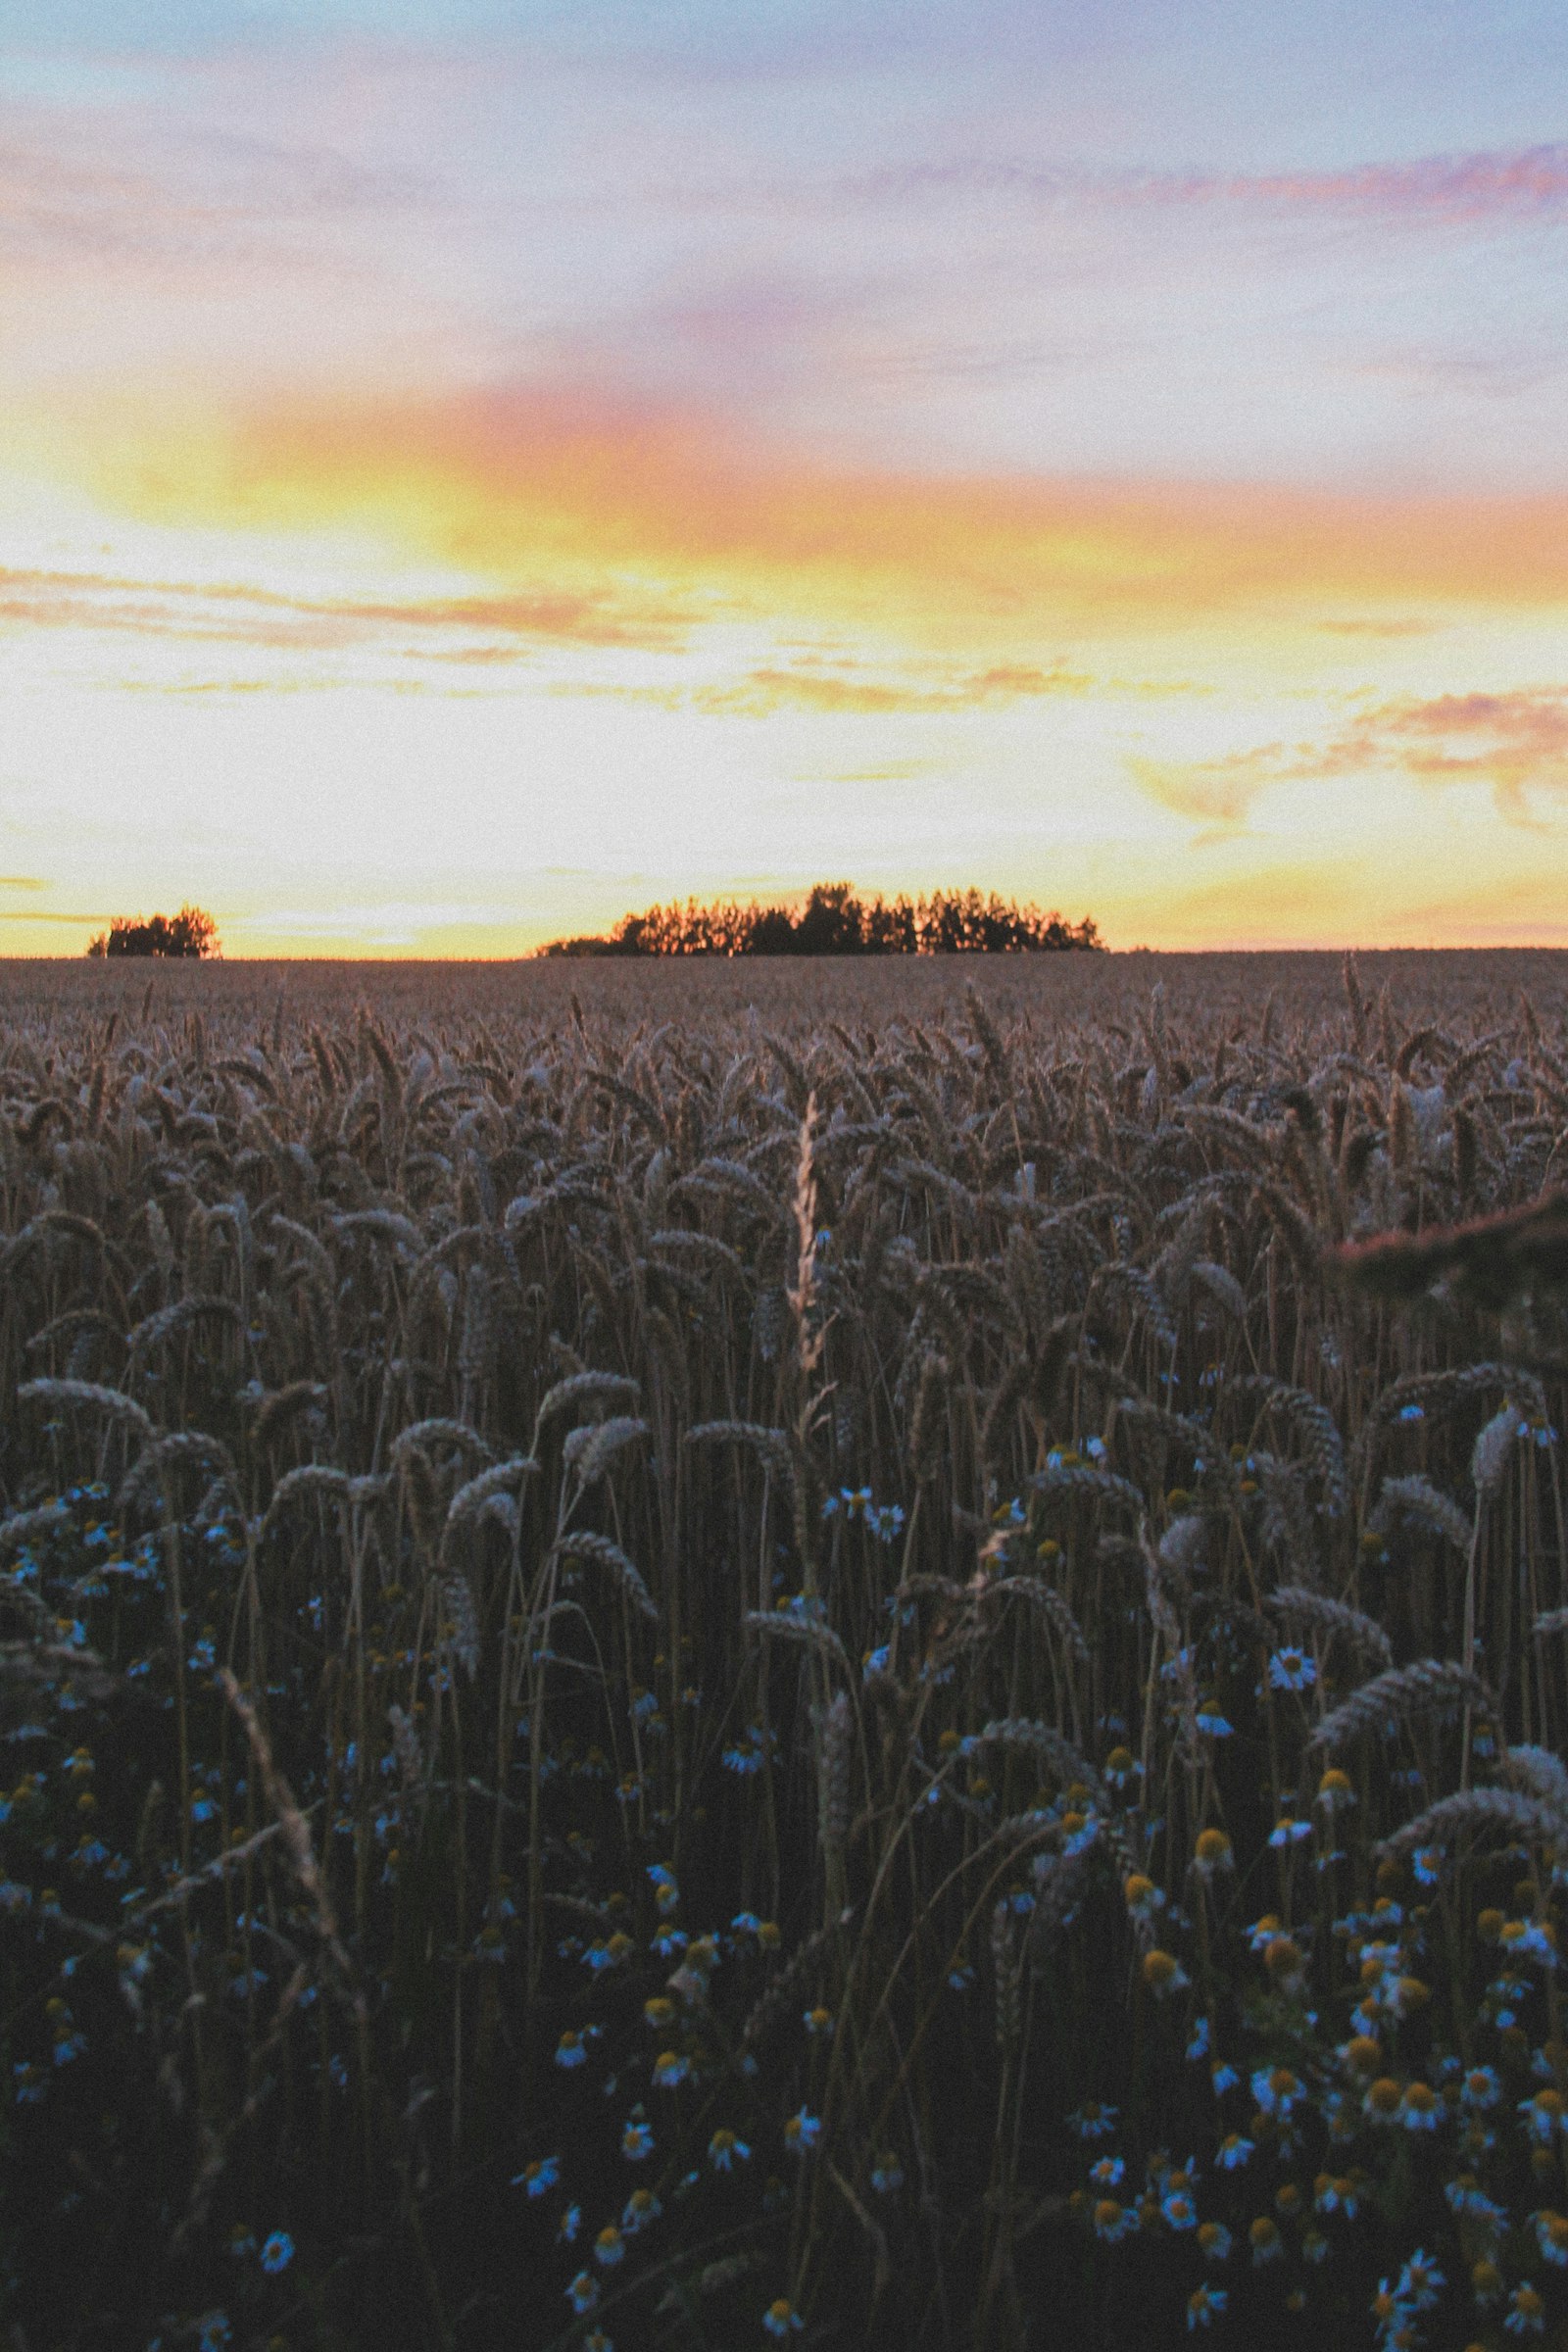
(835, 922)
(191, 932)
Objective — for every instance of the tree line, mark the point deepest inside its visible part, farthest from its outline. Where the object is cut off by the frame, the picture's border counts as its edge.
(191, 932)
(836, 921)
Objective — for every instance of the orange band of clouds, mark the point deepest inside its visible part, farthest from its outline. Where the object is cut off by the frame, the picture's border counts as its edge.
(519, 486)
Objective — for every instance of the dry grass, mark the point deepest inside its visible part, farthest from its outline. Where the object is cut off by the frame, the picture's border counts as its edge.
(811, 1555)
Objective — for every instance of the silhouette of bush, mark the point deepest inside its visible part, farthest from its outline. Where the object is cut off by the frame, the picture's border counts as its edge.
(834, 921)
(191, 932)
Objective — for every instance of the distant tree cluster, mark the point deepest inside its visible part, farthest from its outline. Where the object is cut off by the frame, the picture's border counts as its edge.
(834, 921)
(191, 932)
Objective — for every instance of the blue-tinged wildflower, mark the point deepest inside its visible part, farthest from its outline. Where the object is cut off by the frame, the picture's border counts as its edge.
(1420, 2283)
(1543, 2114)
(1527, 2311)
(1214, 2240)
(1383, 2100)
(1163, 1974)
(1107, 2173)
(1412, 1412)
(278, 2252)
(1528, 1940)
(212, 2331)
(1292, 1669)
(1233, 2152)
(582, 2293)
(1287, 1830)
(642, 2207)
(1205, 2305)
(670, 2068)
(749, 1754)
(818, 2020)
(801, 2132)
(1113, 2220)
(1262, 1932)
(1389, 2311)
(1179, 2210)
(1421, 2109)
(1224, 2078)
(1263, 2237)
(636, 2142)
(1212, 1720)
(781, 2316)
(596, 2340)
(569, 2224)
(1466, 2197)
(1276, 2091)
(1552, 2237)
(1427, 1864)
(725, 2150)
(570, 2050)
(1212, 1854)
(746, 1923)
(544, 2172)
(1093, 2119)
(666, 1892)
(608, 2246)
(1198, 2044)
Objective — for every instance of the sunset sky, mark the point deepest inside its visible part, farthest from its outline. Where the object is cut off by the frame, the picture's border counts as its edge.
(470, 470)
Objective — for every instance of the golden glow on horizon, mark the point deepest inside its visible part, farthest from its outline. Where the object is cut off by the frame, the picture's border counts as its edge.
(509, 486)
(453, 677)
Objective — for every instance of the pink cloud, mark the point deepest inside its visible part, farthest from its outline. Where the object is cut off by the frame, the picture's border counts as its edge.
(1516, 742)
(1528, 182)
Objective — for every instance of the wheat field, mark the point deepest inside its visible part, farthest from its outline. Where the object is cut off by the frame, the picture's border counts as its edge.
(700, 1655)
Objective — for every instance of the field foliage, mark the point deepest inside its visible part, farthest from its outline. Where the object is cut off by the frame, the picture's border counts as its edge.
(700, 1660)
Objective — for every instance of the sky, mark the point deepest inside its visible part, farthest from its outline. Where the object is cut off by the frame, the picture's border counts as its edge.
(469, 471)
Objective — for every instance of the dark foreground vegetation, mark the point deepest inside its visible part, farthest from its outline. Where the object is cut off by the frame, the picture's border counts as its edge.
(834, 921)
(675, 1678)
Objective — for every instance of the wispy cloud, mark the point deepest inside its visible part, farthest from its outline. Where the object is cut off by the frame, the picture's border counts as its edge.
(22, 882)
(617, 499)
(489, 628)
(1218, 793)
(1515, 742)
(846, 689)
(1509, 183)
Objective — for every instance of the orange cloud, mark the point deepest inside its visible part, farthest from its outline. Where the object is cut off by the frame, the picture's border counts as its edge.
(1515, 742)
(595, 496)
(234, 614)
(837, 690)
(1219, 792)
